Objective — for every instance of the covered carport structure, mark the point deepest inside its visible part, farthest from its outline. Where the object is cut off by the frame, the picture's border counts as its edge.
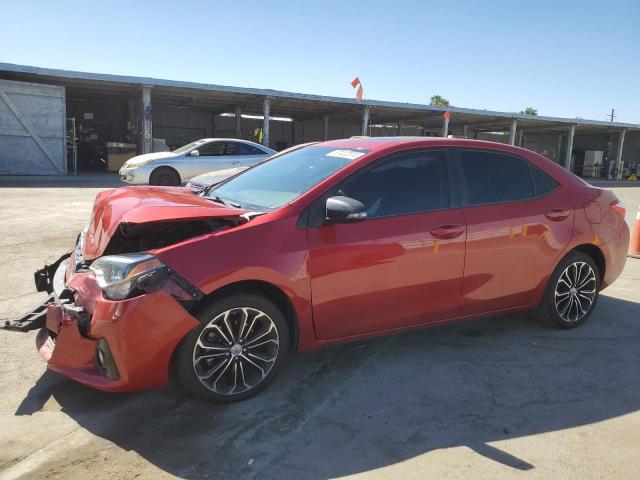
(114, 108)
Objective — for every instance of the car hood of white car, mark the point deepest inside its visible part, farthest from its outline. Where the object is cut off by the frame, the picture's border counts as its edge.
(216, 176)
(149, 156)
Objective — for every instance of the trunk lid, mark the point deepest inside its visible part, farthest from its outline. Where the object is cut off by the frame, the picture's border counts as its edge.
(142, 205)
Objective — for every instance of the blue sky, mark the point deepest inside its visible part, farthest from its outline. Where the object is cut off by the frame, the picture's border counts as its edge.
(565, 58)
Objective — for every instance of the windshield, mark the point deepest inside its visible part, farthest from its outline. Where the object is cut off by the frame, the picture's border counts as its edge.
(278, 181)
(188, 146)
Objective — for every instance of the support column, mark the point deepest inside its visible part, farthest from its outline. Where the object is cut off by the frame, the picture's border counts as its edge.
(445, 127)
(238, 122)
(147, 120)
(512, 132)
(465, 131)
(265, 121)
(365, 121)
(567, 155)
(325, 128)
(133, 124)
(521, 138)
(400, 127)
(293, 132)
(619, 163)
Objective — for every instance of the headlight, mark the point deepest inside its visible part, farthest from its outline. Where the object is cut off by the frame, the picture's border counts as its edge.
(137, 163)
(120, 275)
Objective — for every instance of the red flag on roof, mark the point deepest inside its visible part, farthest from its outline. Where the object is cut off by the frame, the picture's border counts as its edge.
(355, 83)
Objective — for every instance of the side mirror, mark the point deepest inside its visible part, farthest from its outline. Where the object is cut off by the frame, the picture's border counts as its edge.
(345, 209)
(194, 153)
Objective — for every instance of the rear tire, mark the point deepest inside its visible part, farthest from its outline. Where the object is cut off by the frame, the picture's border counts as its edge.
(572, 292)
(164, 176)
(236, 352)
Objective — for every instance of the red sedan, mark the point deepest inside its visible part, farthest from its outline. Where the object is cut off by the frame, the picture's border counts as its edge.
(333, 242)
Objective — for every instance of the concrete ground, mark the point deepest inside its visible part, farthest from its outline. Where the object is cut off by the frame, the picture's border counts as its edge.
(495, 398)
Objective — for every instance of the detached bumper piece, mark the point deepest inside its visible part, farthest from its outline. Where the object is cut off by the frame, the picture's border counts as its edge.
(44, 277)
(33, 320)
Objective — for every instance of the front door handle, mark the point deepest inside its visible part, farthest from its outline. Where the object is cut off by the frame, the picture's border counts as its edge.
(557, 214)
(447, 232)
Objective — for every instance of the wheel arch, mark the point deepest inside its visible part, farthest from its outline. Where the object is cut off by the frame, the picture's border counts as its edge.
(165, 167)
(595, 253)
(266, 289)
(260, 287)
(589, 249)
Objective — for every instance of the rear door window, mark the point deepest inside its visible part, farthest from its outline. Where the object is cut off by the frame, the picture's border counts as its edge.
(494, 177)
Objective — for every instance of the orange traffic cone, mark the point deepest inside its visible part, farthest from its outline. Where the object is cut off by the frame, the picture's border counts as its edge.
(634, 244)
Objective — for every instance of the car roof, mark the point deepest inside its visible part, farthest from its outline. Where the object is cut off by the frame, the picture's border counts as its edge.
(391, 144)
(378, 143)
(238, 140)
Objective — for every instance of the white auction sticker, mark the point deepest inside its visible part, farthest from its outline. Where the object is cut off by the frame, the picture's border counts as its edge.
(348, 154)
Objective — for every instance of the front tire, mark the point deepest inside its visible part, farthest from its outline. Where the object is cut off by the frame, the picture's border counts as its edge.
(237, 350)
(572, 292)
(164, 176)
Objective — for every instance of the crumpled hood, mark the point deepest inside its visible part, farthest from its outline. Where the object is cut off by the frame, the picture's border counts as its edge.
(136, 205)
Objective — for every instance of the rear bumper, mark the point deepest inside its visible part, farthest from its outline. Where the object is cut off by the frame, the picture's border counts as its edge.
(112, 346)
(615, 254)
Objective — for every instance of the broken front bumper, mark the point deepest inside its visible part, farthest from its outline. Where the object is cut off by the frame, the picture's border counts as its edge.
(109, 345)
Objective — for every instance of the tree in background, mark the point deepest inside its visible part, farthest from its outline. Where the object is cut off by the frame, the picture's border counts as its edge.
(529, 111)
(439, 101)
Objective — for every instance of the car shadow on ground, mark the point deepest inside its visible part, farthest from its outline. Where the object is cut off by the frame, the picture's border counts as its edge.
(363, 406)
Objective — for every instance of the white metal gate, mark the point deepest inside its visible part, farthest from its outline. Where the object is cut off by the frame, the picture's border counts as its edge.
(32, 129)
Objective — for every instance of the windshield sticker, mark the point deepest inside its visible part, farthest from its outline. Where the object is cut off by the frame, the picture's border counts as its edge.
(348, 154)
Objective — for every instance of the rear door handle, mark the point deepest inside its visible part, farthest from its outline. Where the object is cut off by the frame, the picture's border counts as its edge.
(447, 232)
(557, 214)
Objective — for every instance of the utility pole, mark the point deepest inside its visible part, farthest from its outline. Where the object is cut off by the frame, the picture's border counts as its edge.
(612, 114)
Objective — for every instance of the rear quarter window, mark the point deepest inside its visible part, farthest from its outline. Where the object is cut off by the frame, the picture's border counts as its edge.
(542, 183)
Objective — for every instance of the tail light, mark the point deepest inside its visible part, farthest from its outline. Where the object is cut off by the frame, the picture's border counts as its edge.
(618, 207)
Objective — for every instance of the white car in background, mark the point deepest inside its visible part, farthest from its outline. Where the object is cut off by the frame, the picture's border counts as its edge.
(206, 155)
(209, 179)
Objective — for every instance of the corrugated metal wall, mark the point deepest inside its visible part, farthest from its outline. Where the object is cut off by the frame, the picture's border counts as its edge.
(32, 129)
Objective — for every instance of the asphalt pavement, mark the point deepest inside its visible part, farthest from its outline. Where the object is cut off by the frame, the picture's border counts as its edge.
(494, 398)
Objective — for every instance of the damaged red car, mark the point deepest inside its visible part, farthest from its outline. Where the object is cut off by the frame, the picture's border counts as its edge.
(332, 242)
